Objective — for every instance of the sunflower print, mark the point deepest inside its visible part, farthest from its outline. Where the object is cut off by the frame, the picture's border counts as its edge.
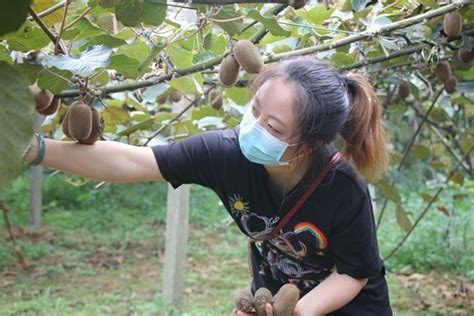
(238, 205)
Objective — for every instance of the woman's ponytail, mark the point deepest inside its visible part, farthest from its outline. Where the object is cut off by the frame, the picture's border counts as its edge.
(363, 132)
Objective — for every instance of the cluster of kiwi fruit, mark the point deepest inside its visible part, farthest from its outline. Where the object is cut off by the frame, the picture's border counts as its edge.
(283, 303)
(444, 74)
(45, 102)
(83, 123)
(244, 54)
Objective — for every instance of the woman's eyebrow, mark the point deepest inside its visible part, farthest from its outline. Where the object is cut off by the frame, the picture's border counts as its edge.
(270, 115)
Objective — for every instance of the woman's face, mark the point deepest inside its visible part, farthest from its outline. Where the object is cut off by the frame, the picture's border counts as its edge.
(272, 106)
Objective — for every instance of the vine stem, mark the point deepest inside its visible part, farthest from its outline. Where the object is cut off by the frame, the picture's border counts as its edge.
(22, 260)
(73, 22)
(61, 30)
(407, 150)
(435, 197)
(51, 10)
(43, 26)
(275, 57)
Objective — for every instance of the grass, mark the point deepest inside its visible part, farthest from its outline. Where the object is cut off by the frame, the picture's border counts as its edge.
(101, 254)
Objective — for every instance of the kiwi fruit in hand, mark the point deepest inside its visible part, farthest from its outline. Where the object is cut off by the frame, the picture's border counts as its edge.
(248, 56)
(96, 130)
(243, 300)
(285, 300)
(261, 298)
(80, 120)
(229, 71)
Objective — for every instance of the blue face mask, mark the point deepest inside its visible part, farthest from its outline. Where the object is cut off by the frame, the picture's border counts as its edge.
(258, 145)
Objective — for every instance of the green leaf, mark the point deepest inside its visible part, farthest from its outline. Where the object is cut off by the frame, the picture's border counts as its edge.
(31, 72)
(240, 95)
(317, 15)
(342, 59)
(137, 50)
(104, 39)
(458, 178)
(185, 84)
(86, 30)
(125, 65)
(269, 22)
(52, 18)
(402, 219)
(229, 12)
(133, 12)
(4, 55)
(179, 56)
(140, 126)
(389, 191)
(426, 197)
(114, 115)
(53, 80)
(203, 112)
(12, 15)
(420, 152)
(16, 124)
(27, 38)
(359, 5)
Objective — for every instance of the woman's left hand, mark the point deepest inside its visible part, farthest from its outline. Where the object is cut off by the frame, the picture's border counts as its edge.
(269, 309)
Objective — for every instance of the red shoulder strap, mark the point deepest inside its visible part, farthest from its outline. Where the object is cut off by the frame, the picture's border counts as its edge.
(305, 195)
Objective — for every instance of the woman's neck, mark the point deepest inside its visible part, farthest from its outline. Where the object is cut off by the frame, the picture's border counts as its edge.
(285, 178)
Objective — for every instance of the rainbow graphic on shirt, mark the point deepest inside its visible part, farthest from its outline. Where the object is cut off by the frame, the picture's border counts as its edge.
(318, 234)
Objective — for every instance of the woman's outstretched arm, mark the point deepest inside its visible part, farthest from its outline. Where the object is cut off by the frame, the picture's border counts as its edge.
(104, 160)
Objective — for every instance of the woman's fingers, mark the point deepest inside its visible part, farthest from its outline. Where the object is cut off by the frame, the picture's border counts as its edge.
(269, 309)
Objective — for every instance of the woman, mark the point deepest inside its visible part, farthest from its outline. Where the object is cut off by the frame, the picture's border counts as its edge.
(260, 169)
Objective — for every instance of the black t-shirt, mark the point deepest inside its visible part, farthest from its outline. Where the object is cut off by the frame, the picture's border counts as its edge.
(333, 229)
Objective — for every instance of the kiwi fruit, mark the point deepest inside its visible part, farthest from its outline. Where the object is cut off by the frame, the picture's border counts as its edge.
(80, 120)
(298, 4)
(52, 107)
(285, 300)
(465, 55)
(97, 128)
(452, 23)
(243, 300)
(248, 56)
(261, 298)
(443, 70)
(215, 99)
(450, 84)
(43, 98)
(229, 71)
(404, 90)
(65, 125)
(175, 96)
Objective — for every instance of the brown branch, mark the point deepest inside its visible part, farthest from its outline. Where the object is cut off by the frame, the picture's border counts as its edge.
(178, 115)
(256, 38)
(407, 150)
(61, 30)
(443, 140)
(45, 29)
(73, 22)
(50, 10)
(22, 260)
(423, 213)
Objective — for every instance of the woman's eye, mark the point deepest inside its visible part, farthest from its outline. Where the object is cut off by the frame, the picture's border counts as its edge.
(273, 129)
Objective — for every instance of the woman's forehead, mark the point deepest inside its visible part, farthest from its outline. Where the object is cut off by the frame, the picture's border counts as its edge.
(276, 96)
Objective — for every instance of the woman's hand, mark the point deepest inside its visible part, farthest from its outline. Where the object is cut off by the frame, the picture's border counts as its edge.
(269, 309)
